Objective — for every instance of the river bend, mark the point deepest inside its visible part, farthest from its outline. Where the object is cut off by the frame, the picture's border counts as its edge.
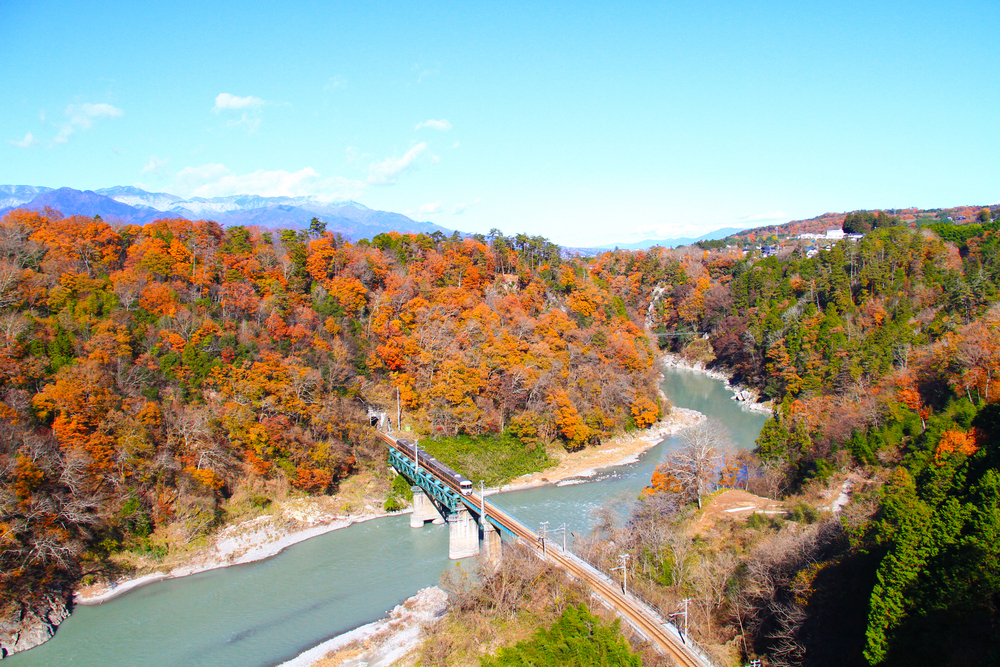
(267, 612)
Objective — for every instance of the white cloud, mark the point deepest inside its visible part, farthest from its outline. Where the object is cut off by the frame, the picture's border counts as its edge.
(227, 102)
(387, 171)
(189, 179)
(154, 165)
(462, 208)
(433, 208)
(82, 117)
(29, 141)
(353, 154)
(335, 82)
(215, 180)
(442, 125)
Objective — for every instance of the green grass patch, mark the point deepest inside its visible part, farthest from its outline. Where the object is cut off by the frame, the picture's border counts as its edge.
(576, 639)
(494, 458)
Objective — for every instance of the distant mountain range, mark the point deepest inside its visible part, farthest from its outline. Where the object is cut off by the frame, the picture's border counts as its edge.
(352, 220)
(662, 243)
(675, 242)
(133, 205)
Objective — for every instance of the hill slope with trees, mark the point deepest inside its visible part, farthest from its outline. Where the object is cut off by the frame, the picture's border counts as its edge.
(882, 355)
(148, 374)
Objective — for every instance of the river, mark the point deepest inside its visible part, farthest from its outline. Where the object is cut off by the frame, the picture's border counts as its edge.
(267, 612)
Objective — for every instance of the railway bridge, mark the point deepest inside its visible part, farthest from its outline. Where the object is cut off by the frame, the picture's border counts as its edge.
(442, 496)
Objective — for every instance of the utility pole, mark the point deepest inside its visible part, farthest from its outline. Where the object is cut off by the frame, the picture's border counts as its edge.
(416, 459)
(685, 615)
(623, 560)
(399, 413)
(561, 529)
(543, 525)
(686, 600)
(482, 500)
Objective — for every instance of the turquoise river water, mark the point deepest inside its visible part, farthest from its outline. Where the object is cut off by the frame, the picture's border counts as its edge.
(267, 612)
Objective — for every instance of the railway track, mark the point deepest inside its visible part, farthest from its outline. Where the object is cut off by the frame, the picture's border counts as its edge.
(631, 610)
(636, 613)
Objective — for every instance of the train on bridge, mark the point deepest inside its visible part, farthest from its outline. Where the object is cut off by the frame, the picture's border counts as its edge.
(457, 482)
(440, 485)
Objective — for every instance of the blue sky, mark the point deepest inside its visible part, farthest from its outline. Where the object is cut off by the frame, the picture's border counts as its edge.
(583, 122)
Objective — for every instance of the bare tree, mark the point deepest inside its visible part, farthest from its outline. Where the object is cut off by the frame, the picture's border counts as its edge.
(693, 468)
(12, 325)
(770, 597)
(127, 287)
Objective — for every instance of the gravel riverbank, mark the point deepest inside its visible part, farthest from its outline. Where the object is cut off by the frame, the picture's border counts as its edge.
(305, 518)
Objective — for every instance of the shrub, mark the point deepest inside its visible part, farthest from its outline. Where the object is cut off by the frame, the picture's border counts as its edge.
(260, 502)
(761, 521)
(576, 639)
(401, 487)
(803, 513)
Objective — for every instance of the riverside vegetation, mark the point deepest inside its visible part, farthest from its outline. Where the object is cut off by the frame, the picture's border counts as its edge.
(882, 356)
(159, 381)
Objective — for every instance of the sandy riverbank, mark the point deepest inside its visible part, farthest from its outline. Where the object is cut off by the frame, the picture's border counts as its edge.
(305, 518)
(246, 542)
(623, 449)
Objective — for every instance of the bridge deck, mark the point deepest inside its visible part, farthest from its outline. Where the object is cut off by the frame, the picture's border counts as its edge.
(639, 615)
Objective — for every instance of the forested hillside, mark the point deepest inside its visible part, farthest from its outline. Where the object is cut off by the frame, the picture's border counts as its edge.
(151, 374)
(147, 373)
(883, 357)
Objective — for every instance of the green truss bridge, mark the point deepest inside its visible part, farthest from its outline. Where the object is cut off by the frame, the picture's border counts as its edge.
(440, 496)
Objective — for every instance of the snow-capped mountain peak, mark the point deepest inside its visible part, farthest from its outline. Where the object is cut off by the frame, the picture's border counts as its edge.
(136, 206)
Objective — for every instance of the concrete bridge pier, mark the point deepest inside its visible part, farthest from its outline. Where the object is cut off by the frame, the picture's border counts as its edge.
(463, 535)
(424, 509)
(437, 518)
(490, 551)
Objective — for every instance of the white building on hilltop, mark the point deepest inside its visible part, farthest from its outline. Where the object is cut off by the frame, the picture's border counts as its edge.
(831, 235)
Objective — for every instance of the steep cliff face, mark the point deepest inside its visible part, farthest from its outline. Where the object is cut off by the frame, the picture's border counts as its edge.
(28, 627)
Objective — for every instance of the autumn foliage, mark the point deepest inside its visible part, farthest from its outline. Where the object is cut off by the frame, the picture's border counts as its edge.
(147, 372)
(881, 356)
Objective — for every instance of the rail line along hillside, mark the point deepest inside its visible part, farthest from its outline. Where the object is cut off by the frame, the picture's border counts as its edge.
(453, 495)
